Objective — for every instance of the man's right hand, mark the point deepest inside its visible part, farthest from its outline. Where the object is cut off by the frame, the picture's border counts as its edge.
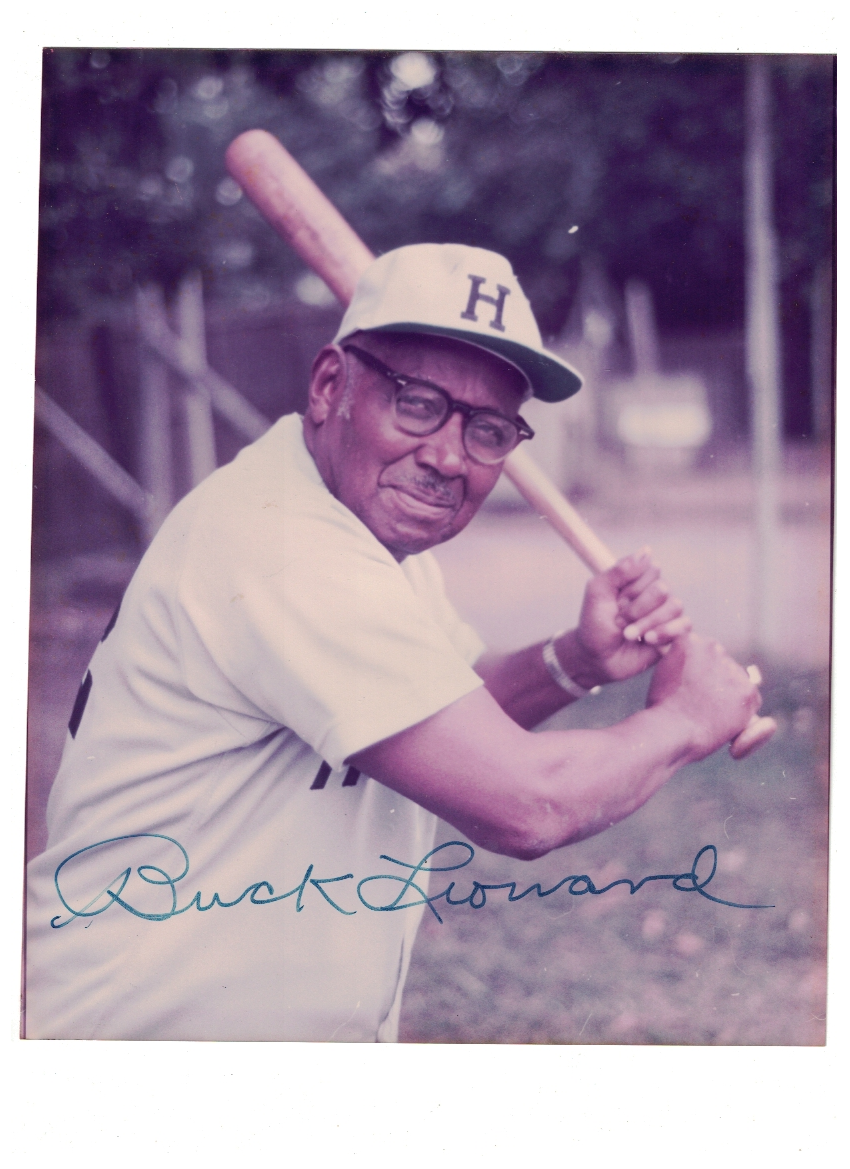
(697, 681)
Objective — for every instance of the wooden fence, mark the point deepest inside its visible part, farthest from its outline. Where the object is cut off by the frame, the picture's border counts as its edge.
(174, 372)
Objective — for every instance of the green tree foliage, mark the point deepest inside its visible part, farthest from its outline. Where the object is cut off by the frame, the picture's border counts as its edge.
(635, 160)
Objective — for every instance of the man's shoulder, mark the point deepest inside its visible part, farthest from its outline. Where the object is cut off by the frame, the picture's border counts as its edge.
(279, 457)
(269, 507)
(423, 571)
(273, 475)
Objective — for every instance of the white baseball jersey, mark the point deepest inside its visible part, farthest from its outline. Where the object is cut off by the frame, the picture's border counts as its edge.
(207, 840)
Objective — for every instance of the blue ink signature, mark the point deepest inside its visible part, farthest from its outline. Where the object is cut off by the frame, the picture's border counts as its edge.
(578, 885)
(154, 875)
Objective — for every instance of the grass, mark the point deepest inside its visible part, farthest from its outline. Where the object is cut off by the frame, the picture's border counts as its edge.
(659, 967)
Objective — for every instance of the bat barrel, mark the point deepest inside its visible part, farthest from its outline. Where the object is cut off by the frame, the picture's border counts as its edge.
(295, 207)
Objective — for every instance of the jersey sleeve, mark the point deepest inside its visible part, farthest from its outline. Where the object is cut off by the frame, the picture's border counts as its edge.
(314, 626)
(427, 578)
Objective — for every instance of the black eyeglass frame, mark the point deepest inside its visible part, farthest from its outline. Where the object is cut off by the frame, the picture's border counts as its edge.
(402, 381)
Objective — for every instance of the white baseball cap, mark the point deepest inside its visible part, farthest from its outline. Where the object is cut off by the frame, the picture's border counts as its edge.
(456, 291)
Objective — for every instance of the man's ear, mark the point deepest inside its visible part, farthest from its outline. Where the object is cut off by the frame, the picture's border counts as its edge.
(327, 382)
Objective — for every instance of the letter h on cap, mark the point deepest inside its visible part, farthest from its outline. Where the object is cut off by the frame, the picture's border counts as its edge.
(475, 294)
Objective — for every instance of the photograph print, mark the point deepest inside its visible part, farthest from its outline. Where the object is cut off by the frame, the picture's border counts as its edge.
(431, 550)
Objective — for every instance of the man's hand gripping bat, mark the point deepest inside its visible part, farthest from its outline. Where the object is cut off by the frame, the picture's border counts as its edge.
(296, 208)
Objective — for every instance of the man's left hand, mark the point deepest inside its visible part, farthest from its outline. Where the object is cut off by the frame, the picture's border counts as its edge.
(627, 616)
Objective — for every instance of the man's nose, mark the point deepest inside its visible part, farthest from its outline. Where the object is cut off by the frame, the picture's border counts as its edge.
(444, 450)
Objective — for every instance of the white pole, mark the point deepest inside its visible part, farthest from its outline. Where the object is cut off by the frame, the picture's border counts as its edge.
(763, 352)
(195, 398)
(643, 335)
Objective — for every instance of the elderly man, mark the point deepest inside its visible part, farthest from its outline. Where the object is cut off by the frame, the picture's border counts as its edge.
(286, 699)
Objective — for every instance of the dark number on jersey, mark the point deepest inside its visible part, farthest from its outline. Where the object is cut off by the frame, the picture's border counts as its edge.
(80, 705)
(85, 686)
(351, 777)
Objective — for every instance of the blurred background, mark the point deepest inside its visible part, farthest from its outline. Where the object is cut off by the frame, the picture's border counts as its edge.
(671, 219)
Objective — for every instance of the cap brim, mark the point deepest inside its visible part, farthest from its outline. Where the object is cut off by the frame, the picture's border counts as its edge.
(551, 379)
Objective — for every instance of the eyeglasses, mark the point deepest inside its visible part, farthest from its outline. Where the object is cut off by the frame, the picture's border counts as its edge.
(420, 408)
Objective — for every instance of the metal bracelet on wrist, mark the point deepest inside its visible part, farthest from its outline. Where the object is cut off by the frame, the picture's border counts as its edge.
(558, 674)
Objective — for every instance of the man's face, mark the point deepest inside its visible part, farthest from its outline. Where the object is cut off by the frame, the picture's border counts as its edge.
(412, 492)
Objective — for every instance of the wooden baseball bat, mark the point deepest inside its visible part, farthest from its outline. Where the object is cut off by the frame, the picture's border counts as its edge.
(298, 211)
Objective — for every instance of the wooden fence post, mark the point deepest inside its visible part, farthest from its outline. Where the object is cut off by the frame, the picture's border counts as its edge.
(90, 454)
(155, 438)
(195, 394)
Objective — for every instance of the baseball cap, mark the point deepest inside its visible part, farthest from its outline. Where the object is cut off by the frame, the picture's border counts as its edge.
(466, 293)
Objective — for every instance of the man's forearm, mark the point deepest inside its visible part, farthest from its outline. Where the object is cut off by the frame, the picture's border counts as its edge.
(524, 688)
(588, 780)
(522, 794)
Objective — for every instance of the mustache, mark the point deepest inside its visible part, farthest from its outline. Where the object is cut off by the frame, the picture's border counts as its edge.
(428, 485)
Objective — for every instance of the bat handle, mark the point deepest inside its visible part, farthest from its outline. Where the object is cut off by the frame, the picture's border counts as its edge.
(538, 489)
(757, 731)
